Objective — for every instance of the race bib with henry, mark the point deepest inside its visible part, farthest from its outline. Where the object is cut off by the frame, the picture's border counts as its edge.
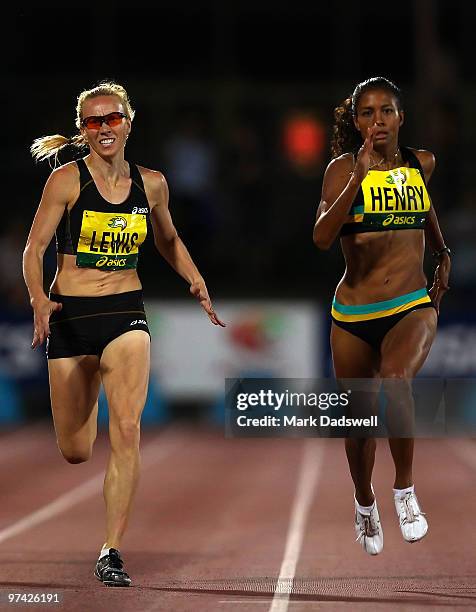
(110, 242)
(396, 199)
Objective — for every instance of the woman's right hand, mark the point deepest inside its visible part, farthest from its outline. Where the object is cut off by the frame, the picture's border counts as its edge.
(41, 320)
(362, 162)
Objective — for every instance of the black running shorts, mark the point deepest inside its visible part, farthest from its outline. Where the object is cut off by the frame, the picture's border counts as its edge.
(86, 325)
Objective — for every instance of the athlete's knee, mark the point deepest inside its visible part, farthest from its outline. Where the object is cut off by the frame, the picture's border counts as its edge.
(73, 453)
(396, 383)
(126, 431)
(76, 456)
(394, 372)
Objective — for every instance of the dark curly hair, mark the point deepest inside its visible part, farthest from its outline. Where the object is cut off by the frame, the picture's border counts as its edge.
(345, 138)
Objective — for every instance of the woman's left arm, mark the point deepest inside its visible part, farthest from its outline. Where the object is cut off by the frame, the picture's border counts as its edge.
(435, 239)
(168, 242)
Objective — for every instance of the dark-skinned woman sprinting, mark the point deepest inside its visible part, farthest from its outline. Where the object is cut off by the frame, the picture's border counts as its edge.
(375, 198)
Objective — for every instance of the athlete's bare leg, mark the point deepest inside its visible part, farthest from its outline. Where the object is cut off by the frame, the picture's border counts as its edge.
(74, 389)
(125, 364)
(403, 352)
(354, 358)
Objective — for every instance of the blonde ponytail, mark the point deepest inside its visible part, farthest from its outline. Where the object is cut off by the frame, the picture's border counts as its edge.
(49, 146)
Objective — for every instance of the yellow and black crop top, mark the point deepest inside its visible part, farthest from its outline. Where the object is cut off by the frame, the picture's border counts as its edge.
(390, 200)
(102, 235)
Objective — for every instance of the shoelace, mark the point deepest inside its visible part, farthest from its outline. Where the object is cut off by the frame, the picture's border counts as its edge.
(411, 508)
(115, 561)
(112, 561)
(369, 527)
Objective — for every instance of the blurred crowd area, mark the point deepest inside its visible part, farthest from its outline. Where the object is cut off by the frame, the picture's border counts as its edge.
(245, 174)
(235, 106)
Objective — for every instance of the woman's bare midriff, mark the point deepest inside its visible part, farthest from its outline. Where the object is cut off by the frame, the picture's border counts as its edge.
(71, 280)
(381, 266)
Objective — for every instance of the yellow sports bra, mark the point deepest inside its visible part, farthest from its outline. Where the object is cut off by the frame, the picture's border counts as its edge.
(390, 200)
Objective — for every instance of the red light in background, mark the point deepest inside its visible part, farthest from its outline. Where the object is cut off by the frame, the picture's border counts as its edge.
(304, 139)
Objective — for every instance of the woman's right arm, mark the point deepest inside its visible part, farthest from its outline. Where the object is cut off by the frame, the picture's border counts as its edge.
(341, 184)
(59, 191)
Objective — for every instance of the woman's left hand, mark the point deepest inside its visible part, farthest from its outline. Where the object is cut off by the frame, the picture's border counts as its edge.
(440, 281)
(199, 290)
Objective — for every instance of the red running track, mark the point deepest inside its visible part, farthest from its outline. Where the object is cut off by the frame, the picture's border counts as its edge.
(234, 525)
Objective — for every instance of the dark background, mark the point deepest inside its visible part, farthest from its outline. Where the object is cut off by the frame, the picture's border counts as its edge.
(227, 76)
(214, 85)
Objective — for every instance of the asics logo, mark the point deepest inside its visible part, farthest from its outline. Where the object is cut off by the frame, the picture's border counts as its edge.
(399, 220)
(105, 261)
(139, 211)
(138, 322)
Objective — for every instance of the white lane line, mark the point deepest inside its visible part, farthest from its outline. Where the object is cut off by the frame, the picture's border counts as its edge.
(295, 603)
(157, 450)
(308, 478)
(465, 449)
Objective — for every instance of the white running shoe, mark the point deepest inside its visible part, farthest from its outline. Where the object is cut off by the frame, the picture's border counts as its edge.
(368, 530)
(412, 520)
